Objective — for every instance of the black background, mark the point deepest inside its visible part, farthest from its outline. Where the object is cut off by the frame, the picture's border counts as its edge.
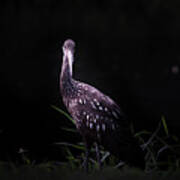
(128, 49)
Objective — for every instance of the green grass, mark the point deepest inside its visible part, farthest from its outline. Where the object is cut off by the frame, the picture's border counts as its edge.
(161, 147)
(50, 171)
(162, 159)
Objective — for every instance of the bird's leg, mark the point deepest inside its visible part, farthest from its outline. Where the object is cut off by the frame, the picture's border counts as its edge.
(86, 159)
(98, 155)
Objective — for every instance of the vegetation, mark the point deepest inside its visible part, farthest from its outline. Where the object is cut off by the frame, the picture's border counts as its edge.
(161, 147)
(162, 159)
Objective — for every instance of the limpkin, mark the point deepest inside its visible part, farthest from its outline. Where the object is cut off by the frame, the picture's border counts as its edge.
(98, 118)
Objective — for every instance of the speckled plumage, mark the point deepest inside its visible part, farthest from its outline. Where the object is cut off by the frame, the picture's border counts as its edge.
(98, 118)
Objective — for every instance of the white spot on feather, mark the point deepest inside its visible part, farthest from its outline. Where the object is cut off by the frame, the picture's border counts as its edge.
(97, 103)
(93, 106)
(87, 117)
(100, 108)
(72, 103)
(106, 109)
(80, 101)
(91, 125)
(97, 127)
(115, 115)
(95, 99)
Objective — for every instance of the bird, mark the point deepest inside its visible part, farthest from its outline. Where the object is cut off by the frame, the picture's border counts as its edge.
(98, 118)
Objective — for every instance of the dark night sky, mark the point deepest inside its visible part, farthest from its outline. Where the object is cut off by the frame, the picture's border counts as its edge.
(128, 49)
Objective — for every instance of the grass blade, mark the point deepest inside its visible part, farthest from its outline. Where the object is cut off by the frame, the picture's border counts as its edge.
(142, 133)
(165, 125)
(64, 113)
(69, 129)
(71, 145)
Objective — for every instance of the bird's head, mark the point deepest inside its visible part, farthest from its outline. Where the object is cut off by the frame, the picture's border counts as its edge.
(69, 46)
(68, 51)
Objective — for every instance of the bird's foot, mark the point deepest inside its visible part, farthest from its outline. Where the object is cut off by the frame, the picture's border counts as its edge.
(85, 165)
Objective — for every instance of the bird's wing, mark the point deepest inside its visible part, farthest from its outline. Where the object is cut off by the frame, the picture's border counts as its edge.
(107, 116)
(104, 106)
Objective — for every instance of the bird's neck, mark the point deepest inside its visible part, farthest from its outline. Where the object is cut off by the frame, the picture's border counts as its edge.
(66, 80)
(68, 61)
